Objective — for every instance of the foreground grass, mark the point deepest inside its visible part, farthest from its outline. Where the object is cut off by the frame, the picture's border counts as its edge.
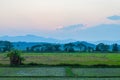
(42, 71)
(59, 78)
(58, 72)
(96, 72)
(68, 58)
(68, 71)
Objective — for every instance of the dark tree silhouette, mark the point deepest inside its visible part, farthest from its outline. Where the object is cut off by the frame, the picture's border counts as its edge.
(82, 47)
(5, 46)
(69, 47)
(102, 47)
(115, 47)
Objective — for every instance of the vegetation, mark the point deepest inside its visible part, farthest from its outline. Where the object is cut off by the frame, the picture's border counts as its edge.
(66, 59)
(65, 78)
(32, 71)
(69, 72)
(53, 47)
(5, 46)
(58, 73)
(88, 59)
(15, 58)
(97, 72)
(74, 47)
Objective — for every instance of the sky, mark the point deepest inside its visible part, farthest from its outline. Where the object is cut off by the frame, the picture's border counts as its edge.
(61, 19)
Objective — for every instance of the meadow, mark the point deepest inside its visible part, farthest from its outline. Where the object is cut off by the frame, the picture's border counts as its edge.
(57, 66)
(58, 73)
(59, 78)
(67, 58)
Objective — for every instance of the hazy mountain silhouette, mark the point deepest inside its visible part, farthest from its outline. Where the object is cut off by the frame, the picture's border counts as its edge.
(33, 38)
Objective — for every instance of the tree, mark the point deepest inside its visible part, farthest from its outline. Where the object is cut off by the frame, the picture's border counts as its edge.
(5, 46)
(82, 47)
(15, 58)
(90, 49)
(69, 47)
(102, 47)
(27, 49)
(115, 47)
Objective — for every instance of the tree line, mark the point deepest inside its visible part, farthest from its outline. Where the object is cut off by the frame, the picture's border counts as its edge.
(71, 47)
(68, 47)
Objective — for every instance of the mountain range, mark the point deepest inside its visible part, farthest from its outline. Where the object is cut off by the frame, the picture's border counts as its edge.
(33, 38)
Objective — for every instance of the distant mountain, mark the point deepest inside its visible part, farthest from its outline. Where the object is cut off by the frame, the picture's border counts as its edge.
(33, 38)
(106, 42)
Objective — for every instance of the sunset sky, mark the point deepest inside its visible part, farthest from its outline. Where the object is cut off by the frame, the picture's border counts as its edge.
(61, 19)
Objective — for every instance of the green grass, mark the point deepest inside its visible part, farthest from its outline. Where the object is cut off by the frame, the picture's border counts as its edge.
(59, 78)
(68, 58)
(62, 58)
(96, 71)
(58, 73)
(69, 72)
(42, 71)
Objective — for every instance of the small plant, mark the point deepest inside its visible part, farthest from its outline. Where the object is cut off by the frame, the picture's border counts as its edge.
(69, 71)
(15, 58)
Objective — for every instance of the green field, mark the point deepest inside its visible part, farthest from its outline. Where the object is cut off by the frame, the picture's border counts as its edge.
(68, 58)
(58, 73)
(62, 72)
(59, 78)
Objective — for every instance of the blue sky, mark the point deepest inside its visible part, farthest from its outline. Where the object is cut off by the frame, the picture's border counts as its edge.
(61, 19)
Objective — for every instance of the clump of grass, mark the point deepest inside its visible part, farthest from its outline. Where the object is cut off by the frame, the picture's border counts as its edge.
(69, 72)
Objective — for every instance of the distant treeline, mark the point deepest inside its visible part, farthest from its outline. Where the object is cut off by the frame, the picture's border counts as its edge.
(54, 47)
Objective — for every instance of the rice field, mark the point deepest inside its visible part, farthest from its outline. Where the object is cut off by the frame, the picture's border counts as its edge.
(96, 72)
(59, 78)
(42, 71)
(67, 58)
(59, 71)
(62, 72)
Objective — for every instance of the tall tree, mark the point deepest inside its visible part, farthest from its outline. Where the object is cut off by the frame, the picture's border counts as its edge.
(69, 47)
(82, 47)
(115, 47)
(5, 46)
(102, 47)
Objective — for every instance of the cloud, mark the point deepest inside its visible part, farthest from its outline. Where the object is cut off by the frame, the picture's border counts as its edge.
(114, 17)
(94, 33)
(72, 27)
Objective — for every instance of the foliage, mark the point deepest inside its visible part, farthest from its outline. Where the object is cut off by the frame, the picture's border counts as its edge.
(5, 46)
(69, 72)
(102, 47)
(15, 57)
(115, 48)
(87, 59)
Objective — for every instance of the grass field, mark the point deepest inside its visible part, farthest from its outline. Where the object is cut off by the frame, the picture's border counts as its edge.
(68, 58)
(59, 73)
(62, 72)
(59, 78)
